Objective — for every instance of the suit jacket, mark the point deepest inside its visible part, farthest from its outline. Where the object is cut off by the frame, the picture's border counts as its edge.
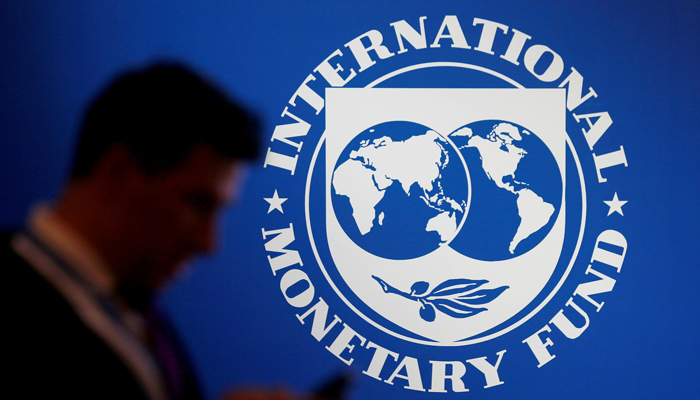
(50, 350)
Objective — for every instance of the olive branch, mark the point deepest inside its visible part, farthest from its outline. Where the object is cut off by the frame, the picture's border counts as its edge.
(458, 298)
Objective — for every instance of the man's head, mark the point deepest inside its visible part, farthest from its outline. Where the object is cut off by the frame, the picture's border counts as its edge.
(160, 153)
(160, 114)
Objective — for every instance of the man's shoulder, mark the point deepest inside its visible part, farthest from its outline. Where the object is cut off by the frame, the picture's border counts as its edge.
(34, 308)
(49, 346)
(7, 254)
(28, 289)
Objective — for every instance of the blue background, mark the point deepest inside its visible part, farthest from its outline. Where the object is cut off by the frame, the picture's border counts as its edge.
(641, 57)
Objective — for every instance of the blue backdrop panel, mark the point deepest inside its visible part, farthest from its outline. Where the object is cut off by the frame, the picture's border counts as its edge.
(641, 58)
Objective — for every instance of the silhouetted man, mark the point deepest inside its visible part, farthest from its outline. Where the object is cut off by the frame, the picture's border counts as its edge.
(160, 154)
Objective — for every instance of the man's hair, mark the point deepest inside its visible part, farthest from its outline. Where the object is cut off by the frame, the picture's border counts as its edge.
(160, 114)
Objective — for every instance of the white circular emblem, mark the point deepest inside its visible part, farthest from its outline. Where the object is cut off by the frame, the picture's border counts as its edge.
(445, 203)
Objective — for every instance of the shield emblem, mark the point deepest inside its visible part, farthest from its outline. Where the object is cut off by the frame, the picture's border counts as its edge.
(445, 209)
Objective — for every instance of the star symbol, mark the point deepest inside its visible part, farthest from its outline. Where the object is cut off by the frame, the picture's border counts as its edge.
(615, 205)
(275, 202)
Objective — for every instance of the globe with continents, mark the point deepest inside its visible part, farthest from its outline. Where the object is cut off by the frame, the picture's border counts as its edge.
(400, 190)
(516, 190)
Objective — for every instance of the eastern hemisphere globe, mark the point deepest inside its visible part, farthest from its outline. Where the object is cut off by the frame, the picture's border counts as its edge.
(516, 190)
(400, 190)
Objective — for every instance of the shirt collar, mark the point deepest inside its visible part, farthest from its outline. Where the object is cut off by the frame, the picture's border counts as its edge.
(74, 249)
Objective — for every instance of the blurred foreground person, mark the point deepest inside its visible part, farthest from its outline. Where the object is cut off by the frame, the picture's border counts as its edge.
(160, 154)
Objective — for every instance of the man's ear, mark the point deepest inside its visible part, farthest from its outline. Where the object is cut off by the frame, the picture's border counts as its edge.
(118, 168)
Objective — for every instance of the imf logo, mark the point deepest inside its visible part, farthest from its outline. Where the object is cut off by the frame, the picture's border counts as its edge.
(443, 215)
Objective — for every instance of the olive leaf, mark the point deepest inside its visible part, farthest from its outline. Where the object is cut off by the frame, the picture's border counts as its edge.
(458, 298)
